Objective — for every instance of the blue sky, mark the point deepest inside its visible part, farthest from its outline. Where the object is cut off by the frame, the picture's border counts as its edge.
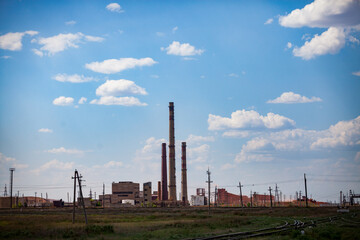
(264, 91)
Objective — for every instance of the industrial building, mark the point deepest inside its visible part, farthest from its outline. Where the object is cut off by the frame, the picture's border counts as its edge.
(147, 195)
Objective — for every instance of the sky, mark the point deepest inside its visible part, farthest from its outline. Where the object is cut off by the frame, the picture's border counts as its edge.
(264, 91)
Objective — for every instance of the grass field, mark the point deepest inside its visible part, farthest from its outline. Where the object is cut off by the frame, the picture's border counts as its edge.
(170, 223)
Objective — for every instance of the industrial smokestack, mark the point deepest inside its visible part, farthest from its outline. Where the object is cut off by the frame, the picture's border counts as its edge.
(164, 191)
(172, 177)
(184, 198)
(159, 191)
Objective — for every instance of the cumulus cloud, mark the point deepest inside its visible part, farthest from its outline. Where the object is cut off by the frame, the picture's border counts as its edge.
(64, 150)
(182, 49)
(148, 157)
(199, 154)
(117, 65)
(269, 21)
(114, 7)
(119, 87)
(122, 101)
(267, 146)
(329, 42)
(82, 100)
(45, 130)
(340, 17)
(54, 165)
(290, 97)
(324, 14)
(63, 101)
(75, 78)
(174, 29)
(342, 134)
(61, 42)
(12, 41)
(37, 52)
(242, 119)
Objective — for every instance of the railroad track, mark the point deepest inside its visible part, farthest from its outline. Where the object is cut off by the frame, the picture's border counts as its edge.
(269, 231)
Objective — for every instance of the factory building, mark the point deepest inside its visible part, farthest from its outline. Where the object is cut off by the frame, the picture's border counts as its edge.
(147, 194)
(122, 192)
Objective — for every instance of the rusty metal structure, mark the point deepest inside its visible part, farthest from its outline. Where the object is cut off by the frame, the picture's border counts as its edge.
(184, 197)
(164, 190)
(172, 166)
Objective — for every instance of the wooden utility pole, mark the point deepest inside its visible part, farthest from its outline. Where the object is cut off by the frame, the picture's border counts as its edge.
(208, 182)
(81, 195)
(270, 197)
(73, 220)
(306, 198)
(241, 200)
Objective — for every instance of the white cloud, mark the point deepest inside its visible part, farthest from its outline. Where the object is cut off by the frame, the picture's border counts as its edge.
(45, 130)
(123, 101)
(5, 159)
(174, 29)
(340, 17)
(148, 157)
(234, 133)
(353, 39)
(112, 164)
(12, 41)
(64, 150)
(119, 87)
(242, 119)
(356, 73)
(289, 45)
(234, 75)
(344, 135)
(182, 49)
(38, 52)
(94, 39)
(75, 78)
(117, 65)
(199, 154)
(54, 165)
(196, 139)
(63, 101)
(114, 7)
(330, 41)
(20, 166)
(290, 97)
(227, 166)
(72, 22)
(82, 100)
(5, 57)
(324, 14)
(61, 42)
(269, 21)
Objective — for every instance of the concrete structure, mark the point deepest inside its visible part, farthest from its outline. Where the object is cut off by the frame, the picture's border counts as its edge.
(197, 200)
(172, 166)
(147, 193)
(164, 190)
(200, 191)
(184, 197)
(124, 191)
(159, 191)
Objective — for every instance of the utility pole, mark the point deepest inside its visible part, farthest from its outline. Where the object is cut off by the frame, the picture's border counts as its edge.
(251, 198)
(208, 182)
(306, 198)
(215, 195)
(241, 200)
(11, 184)
(76, 176)
(5, 191)
(300, 196)
(270, 197)
(90, 195)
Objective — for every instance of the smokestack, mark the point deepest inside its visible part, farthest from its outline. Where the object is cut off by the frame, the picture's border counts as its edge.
(184, 198)
(164, 191)
(172, 177)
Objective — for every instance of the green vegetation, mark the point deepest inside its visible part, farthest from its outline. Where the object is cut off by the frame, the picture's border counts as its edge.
(169, 223)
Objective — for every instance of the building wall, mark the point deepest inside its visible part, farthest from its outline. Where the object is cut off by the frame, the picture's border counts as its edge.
(125, 190)
(147, 193)
(197, 200)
